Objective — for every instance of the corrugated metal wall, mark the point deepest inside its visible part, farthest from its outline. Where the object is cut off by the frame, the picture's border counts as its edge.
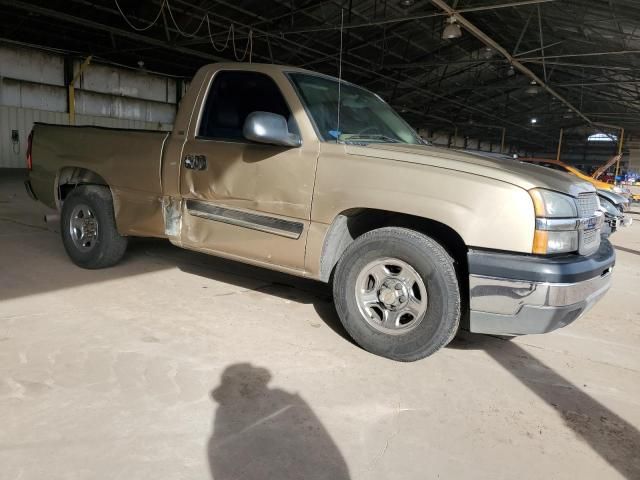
(12, 154)
(32, 90)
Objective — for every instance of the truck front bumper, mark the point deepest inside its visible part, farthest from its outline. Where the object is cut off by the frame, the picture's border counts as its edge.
(523, 294)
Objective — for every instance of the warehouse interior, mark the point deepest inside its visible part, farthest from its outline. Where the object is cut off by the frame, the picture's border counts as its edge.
(177, 364)
(580, 59)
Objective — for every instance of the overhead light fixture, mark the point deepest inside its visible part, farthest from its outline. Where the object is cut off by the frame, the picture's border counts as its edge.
(533, 88)
(487, 53)
(407, 3)
(602, 137)
(452, 30)
(534, 121)
(142, 66)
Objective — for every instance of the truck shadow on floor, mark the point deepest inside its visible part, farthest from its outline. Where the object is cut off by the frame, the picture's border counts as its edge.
(32, 257)
(260, 432)
(628, 250)
(282, 285)
(610, 436)
(33, 261)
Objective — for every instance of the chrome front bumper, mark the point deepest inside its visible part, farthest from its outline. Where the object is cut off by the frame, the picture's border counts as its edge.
(511, 306)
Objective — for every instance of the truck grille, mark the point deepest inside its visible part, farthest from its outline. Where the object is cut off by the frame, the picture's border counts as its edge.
(587, 204)
(589, 237)
(589, 240)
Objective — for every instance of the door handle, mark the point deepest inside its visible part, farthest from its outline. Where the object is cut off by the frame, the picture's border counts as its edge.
(195, 162)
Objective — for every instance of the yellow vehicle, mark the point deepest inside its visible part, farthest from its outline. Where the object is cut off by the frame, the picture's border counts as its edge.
(563, 167)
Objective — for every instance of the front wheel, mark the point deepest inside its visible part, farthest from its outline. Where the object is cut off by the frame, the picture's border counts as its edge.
(88, 227)
(396, 293)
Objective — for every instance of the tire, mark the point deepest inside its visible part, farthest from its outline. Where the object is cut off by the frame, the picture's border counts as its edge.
(88, 228)
(407, 258)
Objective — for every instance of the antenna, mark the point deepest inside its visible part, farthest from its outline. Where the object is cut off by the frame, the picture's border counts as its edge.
(340, 72)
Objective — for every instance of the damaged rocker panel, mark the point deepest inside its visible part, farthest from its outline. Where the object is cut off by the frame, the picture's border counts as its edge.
(276, 226)
(172, 216)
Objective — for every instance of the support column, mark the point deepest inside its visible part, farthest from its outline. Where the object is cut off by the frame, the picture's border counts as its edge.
(620, 142)
(560, 144)
(71, 96)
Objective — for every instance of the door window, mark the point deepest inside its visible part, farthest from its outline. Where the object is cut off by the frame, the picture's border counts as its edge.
(233, 96)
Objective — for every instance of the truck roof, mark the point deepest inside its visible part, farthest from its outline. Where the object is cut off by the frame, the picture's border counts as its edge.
(260, 67)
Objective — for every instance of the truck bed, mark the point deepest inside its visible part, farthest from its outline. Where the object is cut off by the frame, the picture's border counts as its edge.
(129, 162)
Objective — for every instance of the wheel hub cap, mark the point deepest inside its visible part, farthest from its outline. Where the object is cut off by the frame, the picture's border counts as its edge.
(393, 293)
(83, 227)
(391, 296)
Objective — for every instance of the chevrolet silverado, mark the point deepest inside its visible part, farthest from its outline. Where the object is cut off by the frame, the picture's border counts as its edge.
(295, 171)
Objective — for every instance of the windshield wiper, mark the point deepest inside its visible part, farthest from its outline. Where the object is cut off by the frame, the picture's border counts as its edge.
(349, 137)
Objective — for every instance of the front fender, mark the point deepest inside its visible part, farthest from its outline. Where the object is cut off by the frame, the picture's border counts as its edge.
(485, 212)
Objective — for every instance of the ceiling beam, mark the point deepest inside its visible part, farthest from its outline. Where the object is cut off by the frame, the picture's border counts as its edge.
(487, 40)
(405, 80)
(410, 18)
(107, 28)
(573, 55)
(598, 84)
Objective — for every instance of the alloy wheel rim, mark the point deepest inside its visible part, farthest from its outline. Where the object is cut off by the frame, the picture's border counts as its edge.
(391, 296)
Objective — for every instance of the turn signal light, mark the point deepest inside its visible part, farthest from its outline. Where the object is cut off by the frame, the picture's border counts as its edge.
(540, 242)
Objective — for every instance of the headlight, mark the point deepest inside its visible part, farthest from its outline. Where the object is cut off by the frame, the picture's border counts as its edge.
(609, 207)
(549, 204)
(625, 204)
(556, 222)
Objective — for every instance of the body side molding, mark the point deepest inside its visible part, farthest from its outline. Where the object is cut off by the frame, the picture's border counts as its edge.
(263, 223)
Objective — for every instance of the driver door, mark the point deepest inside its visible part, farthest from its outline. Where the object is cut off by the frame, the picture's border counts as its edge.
(242, 199)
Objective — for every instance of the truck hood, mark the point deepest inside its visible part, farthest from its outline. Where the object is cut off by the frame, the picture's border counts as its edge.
(507, 170)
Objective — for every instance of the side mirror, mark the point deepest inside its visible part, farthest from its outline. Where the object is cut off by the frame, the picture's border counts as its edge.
(271, 128)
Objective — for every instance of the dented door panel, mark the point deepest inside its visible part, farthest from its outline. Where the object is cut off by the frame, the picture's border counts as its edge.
(256, 186)
(265, 180)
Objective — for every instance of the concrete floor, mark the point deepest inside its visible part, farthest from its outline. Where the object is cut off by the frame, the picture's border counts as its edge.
(175, 365)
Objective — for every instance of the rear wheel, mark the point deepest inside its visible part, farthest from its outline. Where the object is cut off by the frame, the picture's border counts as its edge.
(397, 294)
(88, 227)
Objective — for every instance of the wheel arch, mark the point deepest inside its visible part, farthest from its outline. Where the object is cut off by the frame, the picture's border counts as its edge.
(350, 224)
(68, 178)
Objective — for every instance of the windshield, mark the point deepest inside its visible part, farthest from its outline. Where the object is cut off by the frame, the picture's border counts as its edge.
(364, 117)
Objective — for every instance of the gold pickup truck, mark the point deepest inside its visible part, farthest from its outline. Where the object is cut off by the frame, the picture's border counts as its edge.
(263, 167)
